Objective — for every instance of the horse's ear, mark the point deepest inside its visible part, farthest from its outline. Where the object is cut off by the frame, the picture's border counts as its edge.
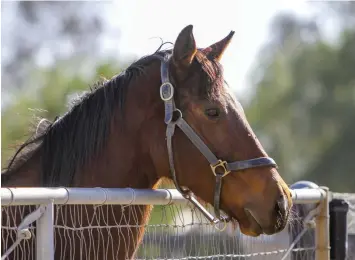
(184, 48)
(215, 51)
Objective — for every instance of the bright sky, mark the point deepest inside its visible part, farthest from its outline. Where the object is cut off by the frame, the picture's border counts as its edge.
(141, 21)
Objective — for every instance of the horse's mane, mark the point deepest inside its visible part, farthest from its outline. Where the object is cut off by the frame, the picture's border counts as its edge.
(69, 142)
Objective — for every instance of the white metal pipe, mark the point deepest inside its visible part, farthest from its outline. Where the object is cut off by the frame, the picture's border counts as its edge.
(93, 196)
(308, 196)
(125, 196)
(45, 234)
(32, 196)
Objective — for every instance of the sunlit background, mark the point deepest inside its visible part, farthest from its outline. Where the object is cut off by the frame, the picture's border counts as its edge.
(291, 64)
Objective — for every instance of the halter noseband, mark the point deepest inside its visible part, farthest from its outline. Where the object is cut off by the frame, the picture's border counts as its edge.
(167, 95)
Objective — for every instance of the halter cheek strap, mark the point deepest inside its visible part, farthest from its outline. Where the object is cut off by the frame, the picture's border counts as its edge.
(219, 167)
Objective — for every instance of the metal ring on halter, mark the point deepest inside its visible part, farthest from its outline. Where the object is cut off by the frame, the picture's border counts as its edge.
(179, 115)
(220, 164)
(224, 226)
(166, 91)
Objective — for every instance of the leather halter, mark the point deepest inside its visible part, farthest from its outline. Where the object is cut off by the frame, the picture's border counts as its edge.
(219, 167)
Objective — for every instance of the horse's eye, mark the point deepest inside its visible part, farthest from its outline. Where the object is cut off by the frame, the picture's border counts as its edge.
(212, 112)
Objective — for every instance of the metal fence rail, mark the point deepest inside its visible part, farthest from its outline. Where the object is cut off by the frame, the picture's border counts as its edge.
(117, 196)
(182, 233)
(91, 196)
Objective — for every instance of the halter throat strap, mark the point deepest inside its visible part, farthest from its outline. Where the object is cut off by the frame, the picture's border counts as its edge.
(219, 167)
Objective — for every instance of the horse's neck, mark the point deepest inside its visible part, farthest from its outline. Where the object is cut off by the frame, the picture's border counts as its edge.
(27, 175)
(125, 162)
(115, 167)
(121, 165)
(125, 167)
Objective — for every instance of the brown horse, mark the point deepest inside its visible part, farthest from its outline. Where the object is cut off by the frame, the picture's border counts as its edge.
(122, 134)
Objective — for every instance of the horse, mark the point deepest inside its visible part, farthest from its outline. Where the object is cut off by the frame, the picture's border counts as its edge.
(169, 115)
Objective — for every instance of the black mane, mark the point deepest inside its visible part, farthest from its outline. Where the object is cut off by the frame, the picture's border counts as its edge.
(68, 143)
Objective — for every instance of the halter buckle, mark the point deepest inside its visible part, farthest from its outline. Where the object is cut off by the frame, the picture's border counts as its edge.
(223, 165)
(166, 91)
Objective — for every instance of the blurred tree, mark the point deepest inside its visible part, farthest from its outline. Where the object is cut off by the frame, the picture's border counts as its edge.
(38, 33)
(304, 100)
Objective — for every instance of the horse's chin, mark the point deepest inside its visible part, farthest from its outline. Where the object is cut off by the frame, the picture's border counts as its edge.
(246, 222)
(240, 218)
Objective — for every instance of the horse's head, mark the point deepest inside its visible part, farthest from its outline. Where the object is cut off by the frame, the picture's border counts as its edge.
(252, 191)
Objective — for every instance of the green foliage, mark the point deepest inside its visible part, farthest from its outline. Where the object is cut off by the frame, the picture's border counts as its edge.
(303, 107)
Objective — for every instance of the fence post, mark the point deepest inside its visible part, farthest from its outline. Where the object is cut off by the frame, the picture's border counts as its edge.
(322, 229)
(338, 209)
(45, 234)
(307, 240)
